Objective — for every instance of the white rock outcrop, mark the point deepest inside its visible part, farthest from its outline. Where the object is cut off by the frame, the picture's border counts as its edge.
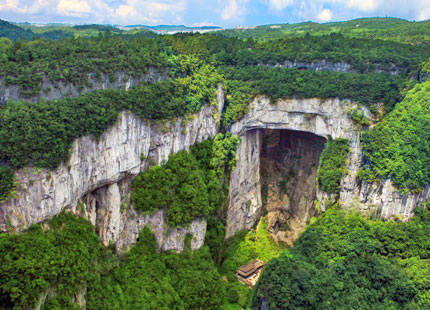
(58, 90)
(103, 169)
(324, 65)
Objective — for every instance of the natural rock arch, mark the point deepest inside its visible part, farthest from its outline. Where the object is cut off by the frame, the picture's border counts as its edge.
(321, 118)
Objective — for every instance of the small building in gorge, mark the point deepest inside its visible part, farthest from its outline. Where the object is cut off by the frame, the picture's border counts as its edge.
(249, 273)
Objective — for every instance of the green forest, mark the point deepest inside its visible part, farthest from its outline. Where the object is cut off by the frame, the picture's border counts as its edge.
(345, 261)
(397, 147)
(342, 260)
(388, 29)
(25, 64)
(66, 254)
(23, 123)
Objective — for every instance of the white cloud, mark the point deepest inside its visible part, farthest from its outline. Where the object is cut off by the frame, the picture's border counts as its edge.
(194, 11)
(126, 11)
(325, 15)
(12, 5)
(38, 6)
(74, 8)
(203, 24)
(234, 9)
(364, 5)
(424, 12)
(99, 11)
(279, 5)
(133, 11)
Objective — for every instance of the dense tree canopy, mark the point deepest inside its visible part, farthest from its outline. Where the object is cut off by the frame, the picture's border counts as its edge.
(13, 32)
(72, 60)
(398, 147)
(66, 255)
(363, 55)
(344, 261)
(188, 185)
(61, 256)
(146, 279)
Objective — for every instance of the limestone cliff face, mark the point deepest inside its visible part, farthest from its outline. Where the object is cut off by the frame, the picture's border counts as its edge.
(59, 90)
(323, 118)
(95, 181)
(379, 199)
(324, 65)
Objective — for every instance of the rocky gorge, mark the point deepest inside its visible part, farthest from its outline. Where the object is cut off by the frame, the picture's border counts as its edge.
(95, 181)
(278, 158)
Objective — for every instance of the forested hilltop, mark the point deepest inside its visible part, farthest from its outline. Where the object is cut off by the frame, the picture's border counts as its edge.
(343, 260)
(390, 29)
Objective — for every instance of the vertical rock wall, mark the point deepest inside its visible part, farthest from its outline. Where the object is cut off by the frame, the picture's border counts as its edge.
(95, 181)
(245, 188)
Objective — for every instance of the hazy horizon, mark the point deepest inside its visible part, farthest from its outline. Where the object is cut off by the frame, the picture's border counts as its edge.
(222, 13)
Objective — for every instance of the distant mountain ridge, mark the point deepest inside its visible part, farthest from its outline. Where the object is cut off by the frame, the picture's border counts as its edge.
(28, 31)
(174, 27)
(171, 29)
(385, 28)
(14, 32)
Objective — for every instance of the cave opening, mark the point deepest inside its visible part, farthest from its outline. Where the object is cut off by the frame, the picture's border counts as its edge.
(288, 168)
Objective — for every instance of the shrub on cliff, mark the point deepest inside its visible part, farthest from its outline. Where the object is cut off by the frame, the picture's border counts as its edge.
(6, 182)
(187, 185)
(332, 165)
(179, 186)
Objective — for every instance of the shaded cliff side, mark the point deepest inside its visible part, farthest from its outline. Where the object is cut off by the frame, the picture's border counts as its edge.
(288, 169)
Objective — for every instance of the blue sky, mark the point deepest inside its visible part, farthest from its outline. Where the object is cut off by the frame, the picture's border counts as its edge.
(225, 13)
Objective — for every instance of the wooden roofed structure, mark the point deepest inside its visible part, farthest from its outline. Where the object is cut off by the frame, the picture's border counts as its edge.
(250, 272)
